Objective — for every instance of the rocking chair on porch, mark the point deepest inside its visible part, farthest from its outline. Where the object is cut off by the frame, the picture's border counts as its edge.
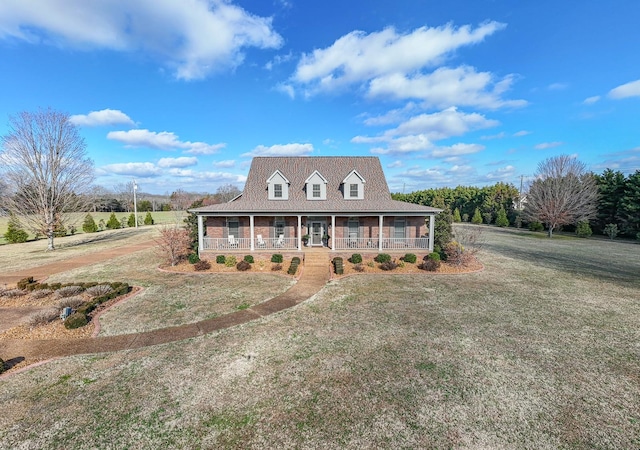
(232, 241)
(261, 242)
(280, 241)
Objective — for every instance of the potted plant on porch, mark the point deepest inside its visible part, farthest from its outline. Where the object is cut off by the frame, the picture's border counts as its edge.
(325, 239)
(305, 239)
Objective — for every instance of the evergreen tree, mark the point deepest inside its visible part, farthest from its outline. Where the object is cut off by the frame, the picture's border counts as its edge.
(456, 216)
(89, 225)
(611, 189)
(15, 234)
(131, 222)
(630, 205)
(442, 230)
(113, 223)
(191, 225)
(583, 229)
(477, 217)
(148, 220)
(501, 219)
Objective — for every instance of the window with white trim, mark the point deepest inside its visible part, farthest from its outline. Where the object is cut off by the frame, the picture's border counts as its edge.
(316, 191)
(278, 226)
(277, 190)
(353, 190)
(233, 227)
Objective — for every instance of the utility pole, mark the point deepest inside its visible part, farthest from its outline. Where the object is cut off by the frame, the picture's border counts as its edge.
(135, 204)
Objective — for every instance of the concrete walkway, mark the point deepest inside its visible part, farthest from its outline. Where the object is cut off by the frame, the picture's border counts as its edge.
(314, 276)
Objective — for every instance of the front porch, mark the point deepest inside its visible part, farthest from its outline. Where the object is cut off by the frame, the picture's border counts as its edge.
(254, 233)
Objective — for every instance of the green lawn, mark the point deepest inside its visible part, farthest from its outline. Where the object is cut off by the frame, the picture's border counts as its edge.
(540, 350)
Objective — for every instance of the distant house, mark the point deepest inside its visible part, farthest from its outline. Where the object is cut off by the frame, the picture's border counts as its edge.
(337, 202)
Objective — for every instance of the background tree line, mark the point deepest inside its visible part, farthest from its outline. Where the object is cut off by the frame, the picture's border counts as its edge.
(617, 203)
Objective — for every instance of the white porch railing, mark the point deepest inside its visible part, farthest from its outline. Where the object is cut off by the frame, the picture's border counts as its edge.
(387, 243)
(245, 244)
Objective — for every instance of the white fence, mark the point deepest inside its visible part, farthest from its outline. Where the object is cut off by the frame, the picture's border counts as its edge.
(387, 243)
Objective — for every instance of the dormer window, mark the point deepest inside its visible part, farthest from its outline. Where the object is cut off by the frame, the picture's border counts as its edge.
(353, 186)
(278, 186)
(316, 186)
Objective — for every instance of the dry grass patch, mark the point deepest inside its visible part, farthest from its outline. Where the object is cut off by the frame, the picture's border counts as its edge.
(530, 353)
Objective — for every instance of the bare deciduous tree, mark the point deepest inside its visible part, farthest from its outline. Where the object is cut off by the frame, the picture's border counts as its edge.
(123, 192)
(174, 244)
(227, 192)
(562, 193)
(45, 165)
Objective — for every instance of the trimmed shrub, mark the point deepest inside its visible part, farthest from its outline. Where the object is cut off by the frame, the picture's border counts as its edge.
(113, 223)
(43, 317)
(389, 265)
(382, 258)
(410, 258)
(203, 264)
(193, 258)
(536, 226)
(75, 320)
(220, 259)
(356, 258)
(583, 230)
(456, 216)
(148, 220)
(465, 217)
(131, 221)
(249, 259)
(243, 265)
(433, 256)
(230, 261)
(100, 289)
(23, 283)
(89, 225)
(276, 268)
(358, 268)
(338, 265)
(277, 258)
(430, 265)
(293, 268)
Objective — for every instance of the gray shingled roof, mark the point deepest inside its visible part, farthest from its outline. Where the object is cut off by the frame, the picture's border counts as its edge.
(377, 198)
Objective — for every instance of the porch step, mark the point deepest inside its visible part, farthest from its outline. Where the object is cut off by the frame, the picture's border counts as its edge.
(316, 259)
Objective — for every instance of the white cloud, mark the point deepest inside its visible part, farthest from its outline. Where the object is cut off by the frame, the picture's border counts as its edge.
(547, 145)
(591, 100)
(183, 161)
(225, 164)
(281, 150)
(419, 132)
(357, 56)
(631, 89)
(521, 133)
(139, 169)
(445, 87)
(277, 60)
(503, 173)
(163, 140)
(194, 37)
(395, 164)
(99, 118)
(457, 150)
(557, 86)
(500, 135)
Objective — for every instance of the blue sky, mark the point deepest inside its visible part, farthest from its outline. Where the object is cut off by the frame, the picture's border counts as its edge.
(182, 94)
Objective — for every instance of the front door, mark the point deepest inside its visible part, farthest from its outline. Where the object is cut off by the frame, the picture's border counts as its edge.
(317, 230)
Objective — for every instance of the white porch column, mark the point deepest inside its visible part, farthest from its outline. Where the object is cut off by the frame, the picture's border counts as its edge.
(380, 222)
(200, 235)
(333, 232)
(432, 231)
(251, 231)
(299, 233)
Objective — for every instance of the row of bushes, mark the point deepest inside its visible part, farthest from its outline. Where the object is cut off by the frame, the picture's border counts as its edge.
(244, 264)
(90, 226)
(431, 262)
(80, 317)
